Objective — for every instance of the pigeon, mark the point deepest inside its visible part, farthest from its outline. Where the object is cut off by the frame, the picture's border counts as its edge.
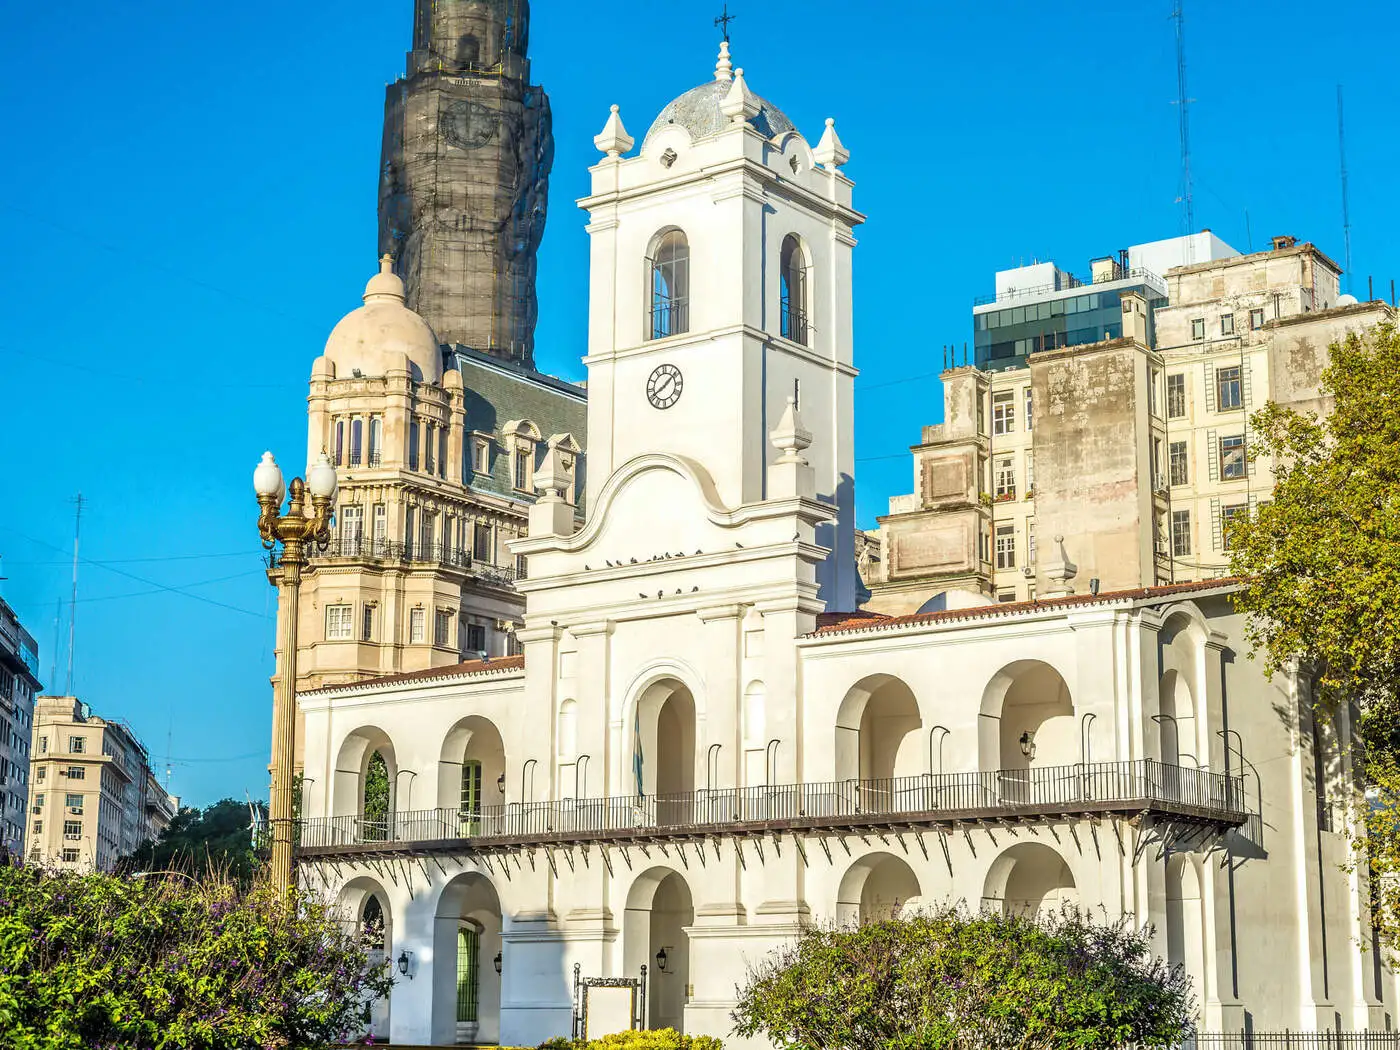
(634, 561)
(660, 593)
(641, 595)
(694, 589)
(586, 568)
(738, 544)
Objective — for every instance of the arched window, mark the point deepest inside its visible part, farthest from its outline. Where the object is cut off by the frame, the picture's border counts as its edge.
(377, 802)
(670, 285)
(793, 291)
(469, 812)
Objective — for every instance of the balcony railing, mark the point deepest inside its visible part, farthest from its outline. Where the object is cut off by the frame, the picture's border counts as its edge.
(1101, 787)
(391, 552)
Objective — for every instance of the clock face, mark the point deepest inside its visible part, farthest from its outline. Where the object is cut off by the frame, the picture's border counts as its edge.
(664, 386)
(468, 125)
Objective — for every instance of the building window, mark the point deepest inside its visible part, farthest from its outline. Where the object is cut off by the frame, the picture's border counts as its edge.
(1030, 543)
(481, 542)
(1003, 412)
(476, 638)
(1227, 324)
(522, 468)
(1198, 328)
(74, 804)
(39, 802)
(1256, 319)
(339, 442)
(442, 627)
(1155, 466)
(1030, 473)
(1181, 472)
(43, 745)
(76, 745)
(76, 773)
(468, 975)
(72, 829)
(413, 445)
(1028, 408)
(1004, 478)
(381, 528)
(352, 528)
(339, 627)
(793, 291)
(1227, 518)
(1181, 533)
(1006, 546)
(429, 446)
(1228, 388)
(481, 456)
(1176, 396)
(38, 827)
(357, 433)
(376, 441)
(367, 624)
(1232, 458)
(427, 529)
(70, 856)
(1005, 597)
(669, 267)
(41, 774)
(417, 624)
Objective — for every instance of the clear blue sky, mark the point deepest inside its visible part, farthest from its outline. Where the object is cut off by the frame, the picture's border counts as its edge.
(188, 204)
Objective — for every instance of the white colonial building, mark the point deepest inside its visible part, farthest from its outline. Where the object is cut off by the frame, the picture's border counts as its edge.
(701, 748)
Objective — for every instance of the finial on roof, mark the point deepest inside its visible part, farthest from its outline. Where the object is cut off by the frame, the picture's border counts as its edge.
(723, 67)
(386, 263)
(740, 104)
(830, 153)
(613, 139)
(790, 437)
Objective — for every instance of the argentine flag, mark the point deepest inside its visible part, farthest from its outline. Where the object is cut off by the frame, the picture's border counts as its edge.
(637, 749)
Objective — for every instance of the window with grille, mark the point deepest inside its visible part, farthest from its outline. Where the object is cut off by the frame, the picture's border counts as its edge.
(1005, 478)
(417, 624)
(76, 745)
(339, 626)
(357, 433)
(1181, 533)
(1180, 465)
(1232, 457)
(468, 977)
(367, 624)
(1006, 547)
(522, 468)
(1003, 412)
(793, 291)
(669, 267)
(1176, 396)
(481, 542)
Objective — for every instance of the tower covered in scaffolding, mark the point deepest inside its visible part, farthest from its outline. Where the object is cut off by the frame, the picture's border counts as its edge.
(464, 179)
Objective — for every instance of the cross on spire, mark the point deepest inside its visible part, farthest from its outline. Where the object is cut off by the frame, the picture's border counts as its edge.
(723, 21)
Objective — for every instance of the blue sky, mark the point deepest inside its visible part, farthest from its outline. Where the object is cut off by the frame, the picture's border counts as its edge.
(188, 203)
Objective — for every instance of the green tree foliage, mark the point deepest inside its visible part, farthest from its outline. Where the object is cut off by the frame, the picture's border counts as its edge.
(948, 979)
(90, 962)
(215, 839)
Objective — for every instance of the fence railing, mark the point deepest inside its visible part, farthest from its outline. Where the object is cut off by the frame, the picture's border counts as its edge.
(1144, 783)
(1290, 1040)
(394, 552)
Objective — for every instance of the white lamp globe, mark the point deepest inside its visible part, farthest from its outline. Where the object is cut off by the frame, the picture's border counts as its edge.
(267, 478)
(320, 478)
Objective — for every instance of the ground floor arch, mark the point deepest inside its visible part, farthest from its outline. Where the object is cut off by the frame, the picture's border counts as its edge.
(879, 886)
(365, 909)
(660, 910)
(1030, 878)
(466, 996)
(1185, 925)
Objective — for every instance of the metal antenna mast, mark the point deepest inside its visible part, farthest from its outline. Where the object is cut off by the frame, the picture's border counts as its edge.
(1183, 102)
(1346, 208)
(73, 604)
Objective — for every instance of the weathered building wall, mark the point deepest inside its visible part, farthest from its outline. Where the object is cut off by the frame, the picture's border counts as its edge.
(1298, 352)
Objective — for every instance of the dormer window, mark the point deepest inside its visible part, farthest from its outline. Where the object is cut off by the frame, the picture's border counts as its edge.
(523, 463)
(793, 290)
(669, 269)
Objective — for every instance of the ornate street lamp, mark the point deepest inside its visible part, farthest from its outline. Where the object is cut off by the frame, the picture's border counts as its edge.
(294, 529)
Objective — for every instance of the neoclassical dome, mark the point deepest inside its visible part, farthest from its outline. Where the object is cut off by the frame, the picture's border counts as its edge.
(698, 110)
(372, 337)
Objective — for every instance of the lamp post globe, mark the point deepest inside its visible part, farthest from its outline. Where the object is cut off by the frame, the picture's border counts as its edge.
(321, 480)
(267, 478)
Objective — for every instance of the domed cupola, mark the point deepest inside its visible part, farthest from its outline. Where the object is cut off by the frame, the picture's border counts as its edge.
(700, 111)
(376, 338)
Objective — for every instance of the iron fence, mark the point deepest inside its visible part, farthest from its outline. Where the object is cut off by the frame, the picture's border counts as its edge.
(1144, 783)
(1290, 1040)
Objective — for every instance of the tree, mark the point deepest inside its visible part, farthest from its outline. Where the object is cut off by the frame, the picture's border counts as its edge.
(1322, 560)
(215, 839)
(946, 978)
(97, 961)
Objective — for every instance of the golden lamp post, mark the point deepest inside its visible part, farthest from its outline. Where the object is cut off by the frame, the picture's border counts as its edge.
(296, 531)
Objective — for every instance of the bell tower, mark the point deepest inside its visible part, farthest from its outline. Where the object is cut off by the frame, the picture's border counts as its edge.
(721, 290)
(464, 178)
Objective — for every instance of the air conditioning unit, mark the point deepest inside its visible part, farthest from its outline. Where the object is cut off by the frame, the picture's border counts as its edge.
(76, 809)
(73, 838)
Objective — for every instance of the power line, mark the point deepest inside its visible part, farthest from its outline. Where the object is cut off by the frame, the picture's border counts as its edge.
(73, 605)
(163, 558)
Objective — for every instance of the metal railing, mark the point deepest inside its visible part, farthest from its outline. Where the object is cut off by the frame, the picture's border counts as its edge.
(1289, 1040)
(393, 552)
(1135, 785)
(1072, 284)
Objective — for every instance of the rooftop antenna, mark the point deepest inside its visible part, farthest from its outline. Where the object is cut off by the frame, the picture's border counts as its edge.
(57, 636)
(169, 733)
(1183, 103)
(73, 604)
(1346, 210)
(723, 21)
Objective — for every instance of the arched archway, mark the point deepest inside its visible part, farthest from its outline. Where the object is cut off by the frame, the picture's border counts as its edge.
(364, 905)
(471, 775)
(467, 929)
(659, 910)
(793, 294)
(1027, 721)
(663, 753)
(1186, 921)
(366, 774)
(1029, 878)
(878, 886)
(877, 740)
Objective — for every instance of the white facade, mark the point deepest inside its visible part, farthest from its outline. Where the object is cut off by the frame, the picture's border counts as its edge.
(689, 761)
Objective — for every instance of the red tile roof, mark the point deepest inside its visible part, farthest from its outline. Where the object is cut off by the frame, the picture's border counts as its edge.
(466, 669)
(845, 623)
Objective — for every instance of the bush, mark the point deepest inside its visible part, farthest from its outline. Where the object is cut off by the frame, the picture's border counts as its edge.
(97, 961)
(645, 1039)
(947, 979)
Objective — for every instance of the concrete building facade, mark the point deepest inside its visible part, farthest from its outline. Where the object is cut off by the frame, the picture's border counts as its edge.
(701, 748)
(93, 798)
(19, 684)
(1134, 450)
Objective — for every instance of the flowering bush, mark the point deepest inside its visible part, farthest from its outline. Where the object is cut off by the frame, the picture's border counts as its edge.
(645, 1039)
(946, 979)
(92, 961)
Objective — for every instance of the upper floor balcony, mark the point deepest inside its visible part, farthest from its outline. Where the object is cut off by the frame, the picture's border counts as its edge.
(1126, 789)
(392, 552)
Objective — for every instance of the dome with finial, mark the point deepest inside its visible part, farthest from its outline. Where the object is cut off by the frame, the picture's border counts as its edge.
(700, 110)
(376, 338)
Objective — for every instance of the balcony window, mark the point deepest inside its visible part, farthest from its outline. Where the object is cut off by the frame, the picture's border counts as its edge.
(1006, 547)
(376, 440)
(1180, 465)
(669, 269)
(1005, 478)
(481, 542)
(1003, 412)
(793, 291)
(1176, 396)
(357, 434)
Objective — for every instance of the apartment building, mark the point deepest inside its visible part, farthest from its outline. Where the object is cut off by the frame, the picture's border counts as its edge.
(1118, 463)
(93, 798)
(19, 682)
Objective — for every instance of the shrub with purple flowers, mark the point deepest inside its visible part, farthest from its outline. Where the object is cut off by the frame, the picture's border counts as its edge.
(93, 961)
(950, 980)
